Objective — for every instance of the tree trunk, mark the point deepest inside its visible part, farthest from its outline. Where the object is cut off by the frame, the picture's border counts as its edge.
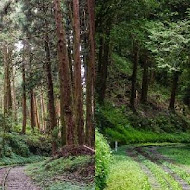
(51, 103)
(78, 93)
(134, 77)
(103, 67)
(36, 113)
(24, 111)
(90, 130)
(65, 81)
(7, 82)
(32, 112)
(43, 112)
(173, 91)
(144, 93)
(14, 95)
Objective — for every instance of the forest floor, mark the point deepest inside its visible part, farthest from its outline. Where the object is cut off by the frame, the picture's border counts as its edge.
(155, 167)
(15, 178)
(71, 173)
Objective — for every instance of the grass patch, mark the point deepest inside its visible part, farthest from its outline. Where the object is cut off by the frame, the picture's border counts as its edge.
(68, 186)
(50, 174)
(113, 123)
(19, 160)
(179, 154)
(126, 174)
(180, 171)
(166, 181)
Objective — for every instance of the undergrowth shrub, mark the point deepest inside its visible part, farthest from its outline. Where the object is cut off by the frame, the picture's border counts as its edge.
(103, 158)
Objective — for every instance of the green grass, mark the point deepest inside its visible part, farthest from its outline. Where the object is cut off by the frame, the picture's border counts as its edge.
(114, 124)
(68, 186)
(180, 154)
(165, 179)
(129, 135)
(47, 173)
(181, 171)
(19, 160)
(126, 174)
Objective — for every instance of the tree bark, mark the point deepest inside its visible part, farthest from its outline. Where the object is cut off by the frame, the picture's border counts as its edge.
(103, 70)
(90, 130)
(144, 93)
(43, 112)
(7, 53)
(24, 110)
(173, 91)
(36, 113)
(14, 95)
(134, 77)
(32, 112)
(51, 103)
(78, 92)
(65, 81)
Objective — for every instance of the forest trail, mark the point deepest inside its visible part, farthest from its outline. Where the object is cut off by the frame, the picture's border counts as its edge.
(15, 178)
(148, 159)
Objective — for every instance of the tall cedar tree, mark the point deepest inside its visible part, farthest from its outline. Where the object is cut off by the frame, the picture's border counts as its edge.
(90, 131)
(78, 95)
(65, 81)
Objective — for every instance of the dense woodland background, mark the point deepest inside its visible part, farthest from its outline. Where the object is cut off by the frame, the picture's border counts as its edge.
(143, 65)
(142, 89)
(47, 81)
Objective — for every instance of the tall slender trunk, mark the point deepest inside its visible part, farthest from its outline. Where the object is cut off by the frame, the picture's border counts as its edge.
(90, 130)
(43, 111)
(173, 91)
(78, 95)
(32, 112)
(36, 112)
(144, 93)
(24, 111)
(7, 82)
(51, 103)
(134, 77)
(14, 95)
(65, 81)
(103, 70)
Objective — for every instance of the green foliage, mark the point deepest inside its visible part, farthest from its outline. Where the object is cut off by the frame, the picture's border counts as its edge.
(68, 186)
(17, 144)
(165, 179)
(126, 174)
(103, 158)
(45, 172)
(179, 154)
(16, 160)
(131, 128)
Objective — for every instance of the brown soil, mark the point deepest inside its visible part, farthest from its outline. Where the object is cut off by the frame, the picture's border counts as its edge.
(16, 179)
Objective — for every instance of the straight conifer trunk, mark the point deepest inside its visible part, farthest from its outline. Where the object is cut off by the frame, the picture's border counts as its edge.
(24, 111)
(134, 77)
(173, 91)
(65, 81)
(7, 82)
(32, 112)
(90, 130)
(78, 95)
(144, 93)
(51, 103)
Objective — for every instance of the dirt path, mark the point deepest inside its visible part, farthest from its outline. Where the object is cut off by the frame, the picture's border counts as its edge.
(154, 156)
(16, 179)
